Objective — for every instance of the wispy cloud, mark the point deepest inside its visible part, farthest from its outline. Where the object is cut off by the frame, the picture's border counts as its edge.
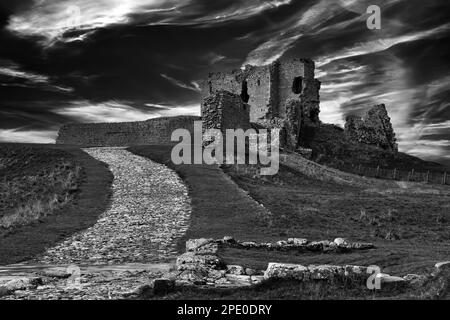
(52, 19)
(14, 72)
(293, 29)
(172, 110)
(379, 45)
(121, 111)
(194, 86)
(22, 135)
(109, 111)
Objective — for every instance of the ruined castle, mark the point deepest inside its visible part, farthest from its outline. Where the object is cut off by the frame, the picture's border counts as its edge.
(282, 95)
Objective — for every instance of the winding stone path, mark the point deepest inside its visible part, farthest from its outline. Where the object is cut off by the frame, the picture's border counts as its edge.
(149, 212)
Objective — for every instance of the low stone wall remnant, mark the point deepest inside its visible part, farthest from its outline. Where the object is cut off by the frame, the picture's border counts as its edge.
(152, 131)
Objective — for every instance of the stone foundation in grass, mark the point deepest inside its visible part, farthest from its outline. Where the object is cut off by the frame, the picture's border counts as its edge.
(201, 265)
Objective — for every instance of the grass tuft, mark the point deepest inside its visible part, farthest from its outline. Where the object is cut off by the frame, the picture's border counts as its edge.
(34, 186)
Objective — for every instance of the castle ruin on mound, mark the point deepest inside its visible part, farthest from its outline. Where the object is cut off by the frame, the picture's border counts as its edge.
(282, 95)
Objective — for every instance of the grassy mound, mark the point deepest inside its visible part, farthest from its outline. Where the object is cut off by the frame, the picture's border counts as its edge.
(34, 182)
(333, 148)
(48, 192)
(411, 232)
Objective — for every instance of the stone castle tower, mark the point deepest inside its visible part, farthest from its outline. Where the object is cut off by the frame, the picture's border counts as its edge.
(284, 94)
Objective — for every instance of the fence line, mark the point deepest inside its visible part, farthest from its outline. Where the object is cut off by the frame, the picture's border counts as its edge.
(432, 177)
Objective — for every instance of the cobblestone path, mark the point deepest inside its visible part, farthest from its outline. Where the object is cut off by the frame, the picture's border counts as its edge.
(149, 211)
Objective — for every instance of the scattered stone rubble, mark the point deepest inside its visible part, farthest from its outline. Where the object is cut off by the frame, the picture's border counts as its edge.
(202, 266)
(88, 286)
(301, 245)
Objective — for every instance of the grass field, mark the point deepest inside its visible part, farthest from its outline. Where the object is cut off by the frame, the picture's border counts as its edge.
(411, 232)
(32, 174)
(34, 183)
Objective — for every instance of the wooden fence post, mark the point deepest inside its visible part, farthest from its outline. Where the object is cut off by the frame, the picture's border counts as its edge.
(428, 176)
(444, 178)
(394, 174)
(378, 172)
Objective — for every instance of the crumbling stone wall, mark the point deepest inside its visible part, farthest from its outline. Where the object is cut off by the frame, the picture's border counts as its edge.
(292, 124)
(299, 125)
(260, 89)
(228, 81)
(267, 88)
(225, 110)
(294, 79)
(282, 95)
(153, 131)
(374, 128)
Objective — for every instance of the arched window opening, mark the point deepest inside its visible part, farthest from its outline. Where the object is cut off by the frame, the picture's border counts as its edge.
(297, 85)
(244, 93)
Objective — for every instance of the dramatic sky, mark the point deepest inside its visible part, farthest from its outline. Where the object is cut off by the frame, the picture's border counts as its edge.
(123, 60)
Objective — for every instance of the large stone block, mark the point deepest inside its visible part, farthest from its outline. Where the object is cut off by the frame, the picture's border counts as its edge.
(285, 271)
(193, 260)
(197, 244)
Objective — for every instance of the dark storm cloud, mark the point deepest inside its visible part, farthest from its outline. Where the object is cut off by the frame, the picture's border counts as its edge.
(111, 60)
(11, 7)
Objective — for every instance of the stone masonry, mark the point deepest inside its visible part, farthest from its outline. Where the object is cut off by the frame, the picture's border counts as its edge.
(153, 131)
(267, 88)
(374, 128)
(282, 95)
(225, 110)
